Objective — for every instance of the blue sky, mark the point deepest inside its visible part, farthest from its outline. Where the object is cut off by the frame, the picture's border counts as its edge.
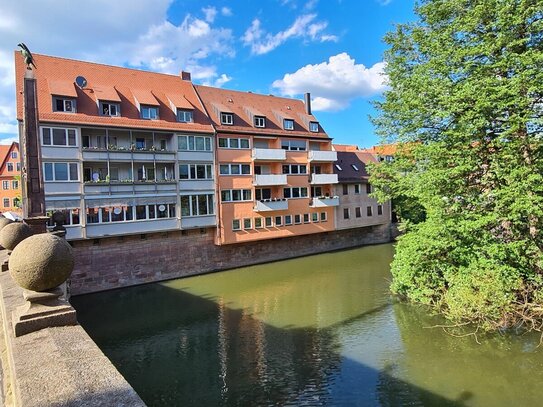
(331, 48)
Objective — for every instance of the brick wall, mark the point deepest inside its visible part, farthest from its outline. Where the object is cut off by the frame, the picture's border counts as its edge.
(108, 263)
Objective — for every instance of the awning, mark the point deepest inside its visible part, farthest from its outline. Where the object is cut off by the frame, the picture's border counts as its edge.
(145, 97)
(180, 101)
(60, 205)
(62, 88)
(106, 93)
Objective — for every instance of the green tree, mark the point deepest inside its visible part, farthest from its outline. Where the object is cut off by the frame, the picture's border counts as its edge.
(465, 105)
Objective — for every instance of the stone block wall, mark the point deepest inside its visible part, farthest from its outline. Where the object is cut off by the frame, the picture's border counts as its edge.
(114, 262)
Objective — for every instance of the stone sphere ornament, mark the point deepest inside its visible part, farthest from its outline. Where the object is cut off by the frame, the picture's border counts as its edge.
(4, 221)
(41, 262)
(13, 234)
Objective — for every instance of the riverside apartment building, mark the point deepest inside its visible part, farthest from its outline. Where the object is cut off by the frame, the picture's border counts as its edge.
(275, 167)
(10, 172)
(123, 151)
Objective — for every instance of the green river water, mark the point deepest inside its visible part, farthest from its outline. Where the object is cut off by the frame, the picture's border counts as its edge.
(318, 330)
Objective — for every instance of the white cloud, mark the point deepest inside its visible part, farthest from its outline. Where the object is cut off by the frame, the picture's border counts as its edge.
(210, 13)
(9, 140)
(384, 2)
(226, 11)
(134, 33)
(303, 27)
(335, 83)
(207, 75)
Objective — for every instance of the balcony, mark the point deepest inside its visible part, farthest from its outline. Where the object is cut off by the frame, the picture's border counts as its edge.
(270, 180)
(267, 205)
(321, 179)
(126, 153)
(324, 202)
(322, 156)
(269, 154)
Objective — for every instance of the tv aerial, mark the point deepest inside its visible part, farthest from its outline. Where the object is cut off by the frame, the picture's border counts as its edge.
(81, 82)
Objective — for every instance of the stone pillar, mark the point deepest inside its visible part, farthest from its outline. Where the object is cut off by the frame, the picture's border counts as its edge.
(31, 176)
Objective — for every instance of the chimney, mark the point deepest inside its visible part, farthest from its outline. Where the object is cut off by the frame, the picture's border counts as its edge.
(307, 98)
(185, 76)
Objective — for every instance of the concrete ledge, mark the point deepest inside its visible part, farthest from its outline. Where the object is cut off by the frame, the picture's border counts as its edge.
(58, 366)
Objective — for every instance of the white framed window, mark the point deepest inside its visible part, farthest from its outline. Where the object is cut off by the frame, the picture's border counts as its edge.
(71, 216)
(195, 171)
(369, 211)
(268, 221)
(357, 189)
(247, 223)
(316, 191)
(6, 203)
(379, 209)
(227, 118)
(236, 224)
(293, 145)
(14, 184)
(354, 167)
(338, 167)
(288, 220)
(235, 195)
(10, 167)
(345, 189)
(294, 169)
(288, 124)
(260, 121)
(5, 185)
(111, 214)
(279, 221)
(241, 143)
(306, 218)
(314, 127)
(346, 214)
(194, 143)
(60, 171)
(18, 166)
(197, 205)
(324, 217)
(14, 154)
(297, 219)
(58, 137)
(235, 169)
(262, 193)
(315, 217)
(110, 109)
(184, 116)
(149, 112)
(66, 105)
(295, 192)
(357, 212)
(258, 223)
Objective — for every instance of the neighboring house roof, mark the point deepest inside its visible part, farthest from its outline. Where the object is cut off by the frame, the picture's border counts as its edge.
(246, 105)
(353, 165)
(384, 149)
(346, 147)
(5, 151)
(113, 84)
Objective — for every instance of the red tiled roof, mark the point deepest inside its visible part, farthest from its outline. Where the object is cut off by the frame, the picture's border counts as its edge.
(123, 80)
(345, 147)
(274, 108)
(383, 149)
(107, 93)
(179, 101)
(62, 88)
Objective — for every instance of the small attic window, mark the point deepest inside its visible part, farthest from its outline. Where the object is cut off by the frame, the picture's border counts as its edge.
(288, 124)
(338, 167)
(63, 104)
(227, 118)
(354, 167)
(149, 112)
(260, 121)
(184, 116)
(110, 109)
(314, 127)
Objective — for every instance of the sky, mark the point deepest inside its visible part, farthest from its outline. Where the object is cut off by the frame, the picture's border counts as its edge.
(330, 48)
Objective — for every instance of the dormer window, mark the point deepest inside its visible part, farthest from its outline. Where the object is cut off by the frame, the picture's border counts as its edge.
(184, 116)
(260, 121)
(314, 127)
(288, 124)
(110, 109)
(227, 118)
(61, 104)
(149, 112)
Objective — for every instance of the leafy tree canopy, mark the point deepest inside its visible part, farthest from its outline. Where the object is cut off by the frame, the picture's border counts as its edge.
(465, 105)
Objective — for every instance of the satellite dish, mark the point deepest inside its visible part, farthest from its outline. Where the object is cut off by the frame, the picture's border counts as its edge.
(81, 81)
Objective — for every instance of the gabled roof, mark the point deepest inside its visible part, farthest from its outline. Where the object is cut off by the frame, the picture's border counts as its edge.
(113, 83)
(5, 151)
(383, 149)
(244, 105)
(346, 147)
(348, 160)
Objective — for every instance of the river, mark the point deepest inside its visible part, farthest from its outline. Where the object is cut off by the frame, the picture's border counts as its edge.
(319, 330)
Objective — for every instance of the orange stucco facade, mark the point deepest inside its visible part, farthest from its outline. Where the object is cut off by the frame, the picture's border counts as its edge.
(10, 184)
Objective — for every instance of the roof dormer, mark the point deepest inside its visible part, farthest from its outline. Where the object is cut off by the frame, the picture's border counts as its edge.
(182, 108)
(108, 100)
(146, 103)
(63, 95)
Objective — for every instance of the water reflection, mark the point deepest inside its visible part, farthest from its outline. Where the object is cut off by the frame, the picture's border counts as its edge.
(314, 331)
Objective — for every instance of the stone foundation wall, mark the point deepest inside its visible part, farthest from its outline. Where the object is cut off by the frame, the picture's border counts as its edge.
(107, 263)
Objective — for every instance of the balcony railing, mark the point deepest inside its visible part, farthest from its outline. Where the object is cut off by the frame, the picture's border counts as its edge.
(267, 205)
(324, 201)
(269, 154)
(320, 179)
(323, 156)
(270, 180)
